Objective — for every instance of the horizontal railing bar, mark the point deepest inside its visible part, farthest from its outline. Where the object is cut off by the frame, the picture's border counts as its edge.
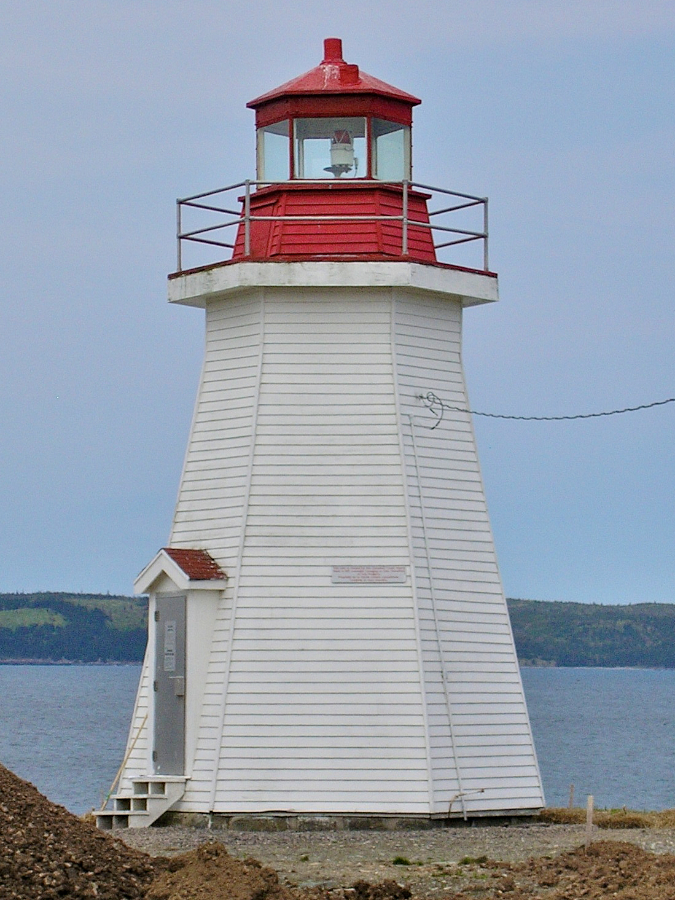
(326, 181)
(187, 234)
(465, 240)
(197, 240)
(428, 187)
(438, 212)
(335, 218)
(327, 218)
(230, 187)
(220, 209)
(475, 234)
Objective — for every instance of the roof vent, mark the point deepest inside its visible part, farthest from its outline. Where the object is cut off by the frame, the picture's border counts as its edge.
(349, 74)
(332, 50)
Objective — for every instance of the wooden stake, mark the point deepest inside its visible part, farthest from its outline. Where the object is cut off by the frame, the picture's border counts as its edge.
(589, 820)
(570, 805)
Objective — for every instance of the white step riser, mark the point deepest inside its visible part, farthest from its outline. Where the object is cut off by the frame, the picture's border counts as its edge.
(149, 800)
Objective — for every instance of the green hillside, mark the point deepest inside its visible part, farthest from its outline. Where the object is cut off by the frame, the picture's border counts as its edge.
(590, 634)
(88, 628)
(62, 627)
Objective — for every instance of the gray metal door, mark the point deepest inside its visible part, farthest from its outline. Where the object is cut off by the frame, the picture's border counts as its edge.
(169, 688)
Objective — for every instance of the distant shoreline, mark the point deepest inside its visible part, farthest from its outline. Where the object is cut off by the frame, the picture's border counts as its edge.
(69, 662)
(139, 662)
(61, 629)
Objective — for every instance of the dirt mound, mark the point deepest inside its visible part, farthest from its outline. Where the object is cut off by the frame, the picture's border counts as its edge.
(48, 853)
(610, 869)
(386, 890)
(210, 873)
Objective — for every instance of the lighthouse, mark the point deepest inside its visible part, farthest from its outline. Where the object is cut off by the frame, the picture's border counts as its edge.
(328, 634)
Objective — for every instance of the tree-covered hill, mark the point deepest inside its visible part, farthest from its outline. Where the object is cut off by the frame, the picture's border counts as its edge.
(590, 634)
(62, 627)
(88, 628)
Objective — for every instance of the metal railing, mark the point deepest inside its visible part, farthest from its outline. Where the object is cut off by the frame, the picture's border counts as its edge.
(212, 234)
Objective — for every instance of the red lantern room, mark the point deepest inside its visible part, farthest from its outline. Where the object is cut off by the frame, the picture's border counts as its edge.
(334, 180)
(334, 168)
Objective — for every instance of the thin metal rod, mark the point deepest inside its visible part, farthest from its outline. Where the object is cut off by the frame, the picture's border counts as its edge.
(229, 187)
(196, 240)
(436, 620)
(438, 212)
(189, 234)
(485, 239)
(474, 234)
(247, 220)
(404, 228)
(220, 209)
(466, 240)
(336, 217)
(179, 264)
(428, 187)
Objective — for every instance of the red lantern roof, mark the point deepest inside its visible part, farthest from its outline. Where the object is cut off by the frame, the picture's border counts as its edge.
(337, 81)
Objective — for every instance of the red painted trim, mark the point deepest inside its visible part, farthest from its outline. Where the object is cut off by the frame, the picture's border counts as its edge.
(330, 105)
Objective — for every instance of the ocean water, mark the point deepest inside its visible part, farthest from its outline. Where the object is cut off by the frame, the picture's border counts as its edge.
(610, 732)
(65, 728)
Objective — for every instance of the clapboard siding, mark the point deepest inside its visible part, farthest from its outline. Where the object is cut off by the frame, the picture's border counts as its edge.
(220, 442)
(322, 697)
(463, 616)
(137, 752)
(316, 666)
(198, 795)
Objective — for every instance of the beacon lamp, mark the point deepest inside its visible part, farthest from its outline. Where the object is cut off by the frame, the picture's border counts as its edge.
(342, 159)
(333, 145)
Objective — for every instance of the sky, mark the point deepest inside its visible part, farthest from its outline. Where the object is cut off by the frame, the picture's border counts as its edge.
(562, 112)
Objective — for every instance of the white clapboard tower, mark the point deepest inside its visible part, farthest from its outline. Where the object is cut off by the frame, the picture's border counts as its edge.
(328, 630)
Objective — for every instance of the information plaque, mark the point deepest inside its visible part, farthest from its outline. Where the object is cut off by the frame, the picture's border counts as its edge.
(369, 575)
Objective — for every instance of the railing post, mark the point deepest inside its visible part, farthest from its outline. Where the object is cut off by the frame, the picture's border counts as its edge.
(404, 229)
(247, 219)
(179, 261)
(486, 267)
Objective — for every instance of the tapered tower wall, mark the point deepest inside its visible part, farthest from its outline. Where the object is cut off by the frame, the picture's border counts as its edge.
(480, 739)
(310, 449)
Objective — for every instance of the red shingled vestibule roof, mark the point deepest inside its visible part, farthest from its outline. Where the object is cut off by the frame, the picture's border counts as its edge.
(198, 565)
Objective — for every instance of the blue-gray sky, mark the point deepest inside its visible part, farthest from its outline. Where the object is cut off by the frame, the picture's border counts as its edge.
(561, 111)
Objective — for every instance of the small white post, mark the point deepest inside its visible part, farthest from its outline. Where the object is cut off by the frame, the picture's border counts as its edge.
(589, 821)
(404, 226)
(247, 219)
(570, 805)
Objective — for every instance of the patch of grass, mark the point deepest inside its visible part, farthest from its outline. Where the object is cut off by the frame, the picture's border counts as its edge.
(400, 861)
(610, 818)
(472, 861)
(304, 858)
(24, 618)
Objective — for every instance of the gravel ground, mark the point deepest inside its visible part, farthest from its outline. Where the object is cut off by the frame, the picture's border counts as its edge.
(333, 859)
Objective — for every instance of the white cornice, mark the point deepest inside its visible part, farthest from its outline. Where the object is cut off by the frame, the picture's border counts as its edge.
(195, 288)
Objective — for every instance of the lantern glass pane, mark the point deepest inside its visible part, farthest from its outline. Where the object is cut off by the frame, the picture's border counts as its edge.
(330, 148)
(274, 152)
(391, 151)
